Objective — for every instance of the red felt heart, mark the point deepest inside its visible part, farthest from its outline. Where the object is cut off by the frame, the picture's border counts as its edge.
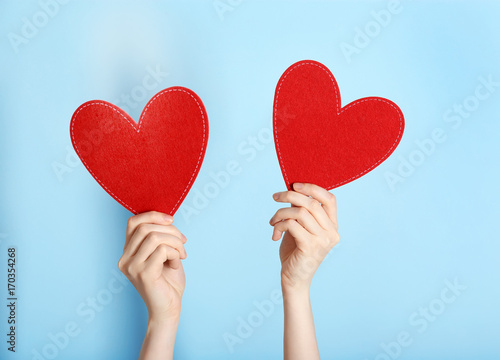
(150, 165)
(319, 142)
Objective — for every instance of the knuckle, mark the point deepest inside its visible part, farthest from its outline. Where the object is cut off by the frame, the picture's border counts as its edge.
(284, 195)
(131, 270)
(178, 243)
(121, 264)
(174, 230)
(154, 237)
(142, 228)
(315, 204)
(163, 249)
(178, 235)
(175, 255)
(302, 212)
(143, 276)
(334, 239)
(131, 221)
(154, 213)
(279, 225)
(272, 220)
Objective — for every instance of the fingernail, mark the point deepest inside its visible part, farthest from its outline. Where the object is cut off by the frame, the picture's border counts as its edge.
(168, 218)
(298, 186)
(276, 196)
(184, 237)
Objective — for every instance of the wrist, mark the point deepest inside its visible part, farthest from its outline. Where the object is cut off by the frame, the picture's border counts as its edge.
(296, 301)
(292, 286)
(295, 290)
(164, 315)
(164, 322)
(160, 337)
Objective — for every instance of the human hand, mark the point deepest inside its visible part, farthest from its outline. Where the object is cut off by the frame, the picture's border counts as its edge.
(151, 260)
(311, 231)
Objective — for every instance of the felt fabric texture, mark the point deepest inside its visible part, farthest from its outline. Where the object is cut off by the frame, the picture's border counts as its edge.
(149, 165)
(318, 141)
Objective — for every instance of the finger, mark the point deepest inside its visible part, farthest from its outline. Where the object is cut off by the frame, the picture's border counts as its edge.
(155, 239)
(143, 230)
(312, 205)
(326, 198)
(301, 214)
(126, 267)
(296, 230)
(163, 253)
(150, 217)
(174, 263)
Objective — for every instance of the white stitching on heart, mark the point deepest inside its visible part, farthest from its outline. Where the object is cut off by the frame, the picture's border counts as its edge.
(322, 67)
(100, 103)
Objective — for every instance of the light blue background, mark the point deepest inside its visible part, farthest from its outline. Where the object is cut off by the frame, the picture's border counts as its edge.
(398, 246)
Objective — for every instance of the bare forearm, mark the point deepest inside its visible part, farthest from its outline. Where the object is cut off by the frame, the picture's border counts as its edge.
(159, 340)
(310, 230)
(300, 336)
